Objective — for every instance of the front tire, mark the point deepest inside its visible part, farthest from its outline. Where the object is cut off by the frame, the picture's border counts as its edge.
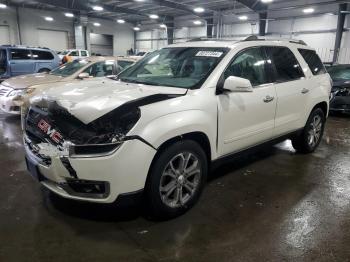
(312, 133)
(176, 179)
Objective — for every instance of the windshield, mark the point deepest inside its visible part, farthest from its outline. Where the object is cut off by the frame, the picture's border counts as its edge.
(65, 52)
(69, 68)
(182, 67)
(339, 73)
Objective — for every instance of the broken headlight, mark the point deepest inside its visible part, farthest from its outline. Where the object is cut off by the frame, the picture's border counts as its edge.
(110, 128)
(105, 134)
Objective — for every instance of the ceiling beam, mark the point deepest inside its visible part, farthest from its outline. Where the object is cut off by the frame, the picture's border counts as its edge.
(255, 5)
(79, 5)
(175, 5)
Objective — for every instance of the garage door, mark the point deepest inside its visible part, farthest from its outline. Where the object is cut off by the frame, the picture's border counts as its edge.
(55, 40)
(101, 44)
(4, 35)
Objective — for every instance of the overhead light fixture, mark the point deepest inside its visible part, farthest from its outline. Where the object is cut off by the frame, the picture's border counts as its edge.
(49, 18)
(136, 28)
(69, 15)
(197, 22)
(96, 24)
(3, 6)
(153, 16)
(199, 9)
(308, 10)
(121, 21)
(243, 17)
(266, 1)
(97, 8)
(162, 26)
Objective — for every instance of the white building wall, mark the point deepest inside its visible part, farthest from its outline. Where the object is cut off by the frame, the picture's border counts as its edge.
(31, 20)
(8, 18)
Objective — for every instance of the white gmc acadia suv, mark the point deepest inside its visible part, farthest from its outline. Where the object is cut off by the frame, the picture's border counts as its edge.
(157, 129)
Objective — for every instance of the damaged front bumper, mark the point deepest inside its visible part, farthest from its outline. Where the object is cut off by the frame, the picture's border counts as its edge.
(100, 179)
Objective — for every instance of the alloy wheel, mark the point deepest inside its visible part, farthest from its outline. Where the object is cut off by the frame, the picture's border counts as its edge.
(315, 130)
(180, 180)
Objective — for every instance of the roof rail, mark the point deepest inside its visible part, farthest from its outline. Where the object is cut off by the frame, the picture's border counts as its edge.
(202, 39)
(197, 39)
(24, 46)
(300, 42)
(252, 38)
(255, 38)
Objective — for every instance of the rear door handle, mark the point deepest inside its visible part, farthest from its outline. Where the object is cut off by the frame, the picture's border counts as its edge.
(305, 91)
(268, 99)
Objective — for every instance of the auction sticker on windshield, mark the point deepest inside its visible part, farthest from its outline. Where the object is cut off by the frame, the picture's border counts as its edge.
(209, 54)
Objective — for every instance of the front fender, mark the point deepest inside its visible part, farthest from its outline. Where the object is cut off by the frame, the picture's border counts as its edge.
(172, 125)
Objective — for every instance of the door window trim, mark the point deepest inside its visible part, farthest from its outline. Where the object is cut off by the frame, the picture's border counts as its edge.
(268, 68)
(274, 70)
(16, 48)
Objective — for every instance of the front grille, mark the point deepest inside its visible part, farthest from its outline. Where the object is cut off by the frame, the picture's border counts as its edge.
(33, 116)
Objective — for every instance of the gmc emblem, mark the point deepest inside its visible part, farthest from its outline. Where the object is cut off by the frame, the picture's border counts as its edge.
(48, 130)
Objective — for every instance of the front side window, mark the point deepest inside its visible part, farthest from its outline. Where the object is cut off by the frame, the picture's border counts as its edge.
(182, 67)
(20, 54)
(100, 69)
(313, 61)
(286, 65)
(69, 68)
(249, 64)
(42, 55)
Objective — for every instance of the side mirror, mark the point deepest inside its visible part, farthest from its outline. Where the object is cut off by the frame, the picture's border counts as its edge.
(238, 84)
(83, 75)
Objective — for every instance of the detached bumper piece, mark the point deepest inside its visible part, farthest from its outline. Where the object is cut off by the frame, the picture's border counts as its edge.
(340, 101)
(340, 104)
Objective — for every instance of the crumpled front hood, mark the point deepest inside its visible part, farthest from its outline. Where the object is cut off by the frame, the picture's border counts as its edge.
(25, 81)
(89, 100)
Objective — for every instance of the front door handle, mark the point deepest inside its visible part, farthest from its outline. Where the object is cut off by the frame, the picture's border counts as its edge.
(305, 91)
(268, 99)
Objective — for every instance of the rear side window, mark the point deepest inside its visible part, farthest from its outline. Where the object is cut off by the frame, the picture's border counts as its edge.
(83, 53)
(313, 60)
(100, 69)
(20, 54)
(249, 64)
(286, 65)
(42, 55)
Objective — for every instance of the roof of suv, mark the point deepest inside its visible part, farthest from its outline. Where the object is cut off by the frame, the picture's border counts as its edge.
(232, 44)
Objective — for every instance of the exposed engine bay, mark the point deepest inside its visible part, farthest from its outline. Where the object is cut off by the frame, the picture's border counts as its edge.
(48, 121)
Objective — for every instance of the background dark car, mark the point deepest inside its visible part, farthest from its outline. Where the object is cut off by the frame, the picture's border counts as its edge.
(340, 98)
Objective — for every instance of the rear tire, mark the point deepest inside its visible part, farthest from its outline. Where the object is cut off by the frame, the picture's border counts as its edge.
(311, 136)
(176, 179)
